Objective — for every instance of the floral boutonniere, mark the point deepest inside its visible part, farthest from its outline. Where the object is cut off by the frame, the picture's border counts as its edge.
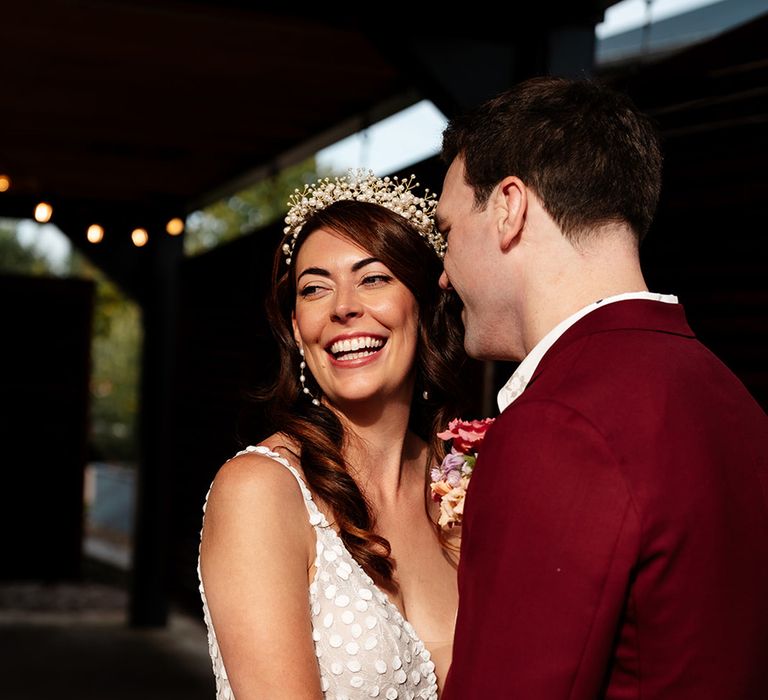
(451, 478)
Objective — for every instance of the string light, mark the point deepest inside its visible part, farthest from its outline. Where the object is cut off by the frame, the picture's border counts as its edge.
(5, 183)
(95, 233)
(43, 212)
(175, 226)
(139, 236)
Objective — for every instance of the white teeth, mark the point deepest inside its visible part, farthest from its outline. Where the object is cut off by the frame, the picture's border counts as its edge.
(354, 355)
(351, 345)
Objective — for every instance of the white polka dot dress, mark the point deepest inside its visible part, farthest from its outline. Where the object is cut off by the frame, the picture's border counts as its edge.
(365, 648)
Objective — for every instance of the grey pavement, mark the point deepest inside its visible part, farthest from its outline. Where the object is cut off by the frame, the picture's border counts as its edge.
(71, 641)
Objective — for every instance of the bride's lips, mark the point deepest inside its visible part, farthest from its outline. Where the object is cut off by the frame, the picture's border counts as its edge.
(351, 350)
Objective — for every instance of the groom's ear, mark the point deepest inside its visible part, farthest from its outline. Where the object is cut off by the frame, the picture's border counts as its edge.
(511, 197)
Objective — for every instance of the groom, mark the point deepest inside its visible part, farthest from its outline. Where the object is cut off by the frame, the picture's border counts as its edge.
(615, 537)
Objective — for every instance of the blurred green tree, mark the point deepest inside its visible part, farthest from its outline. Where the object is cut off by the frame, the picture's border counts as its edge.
(16, 258)
(115, 367)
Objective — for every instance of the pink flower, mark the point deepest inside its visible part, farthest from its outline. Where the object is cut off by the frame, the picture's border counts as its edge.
(466, 436)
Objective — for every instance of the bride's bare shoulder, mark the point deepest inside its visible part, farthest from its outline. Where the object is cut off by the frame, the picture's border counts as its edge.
(256, 513)
(253, 476)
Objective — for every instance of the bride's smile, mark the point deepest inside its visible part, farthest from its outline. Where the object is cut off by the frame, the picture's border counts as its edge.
(354, 350)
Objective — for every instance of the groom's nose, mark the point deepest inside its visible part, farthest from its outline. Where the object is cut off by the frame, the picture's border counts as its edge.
(444, 282)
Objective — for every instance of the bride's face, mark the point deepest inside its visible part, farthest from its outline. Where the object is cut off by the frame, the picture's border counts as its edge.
(357, 323)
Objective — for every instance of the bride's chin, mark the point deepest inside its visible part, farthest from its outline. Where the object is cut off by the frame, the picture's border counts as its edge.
(375, 397)
(357, 400)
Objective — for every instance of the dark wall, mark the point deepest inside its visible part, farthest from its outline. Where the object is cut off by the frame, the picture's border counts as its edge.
(716, 260)
(45, 326)
(708, 244)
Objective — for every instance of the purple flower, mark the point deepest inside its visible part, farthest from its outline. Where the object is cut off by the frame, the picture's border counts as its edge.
(453, 478)
(453, 461)
(450, 470)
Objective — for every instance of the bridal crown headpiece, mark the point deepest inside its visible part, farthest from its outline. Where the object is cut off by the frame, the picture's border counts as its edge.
(363, 186)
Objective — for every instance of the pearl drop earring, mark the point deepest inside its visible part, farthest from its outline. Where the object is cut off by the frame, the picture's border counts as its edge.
(303, 379)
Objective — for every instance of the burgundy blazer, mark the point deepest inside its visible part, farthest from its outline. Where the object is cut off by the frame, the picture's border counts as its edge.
(615, 541)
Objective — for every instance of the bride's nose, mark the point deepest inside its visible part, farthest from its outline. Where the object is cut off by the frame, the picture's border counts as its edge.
(347, 305)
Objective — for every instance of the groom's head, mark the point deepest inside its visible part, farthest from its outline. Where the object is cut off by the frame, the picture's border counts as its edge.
(583, 149)
(549, 155)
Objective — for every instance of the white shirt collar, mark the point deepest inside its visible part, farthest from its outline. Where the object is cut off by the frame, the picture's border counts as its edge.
(522, 375)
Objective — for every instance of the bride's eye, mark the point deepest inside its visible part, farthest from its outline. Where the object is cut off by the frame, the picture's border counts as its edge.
(376, 279)
(310, 290)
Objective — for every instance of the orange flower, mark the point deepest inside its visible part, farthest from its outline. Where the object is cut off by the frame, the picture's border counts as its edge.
(452, 505)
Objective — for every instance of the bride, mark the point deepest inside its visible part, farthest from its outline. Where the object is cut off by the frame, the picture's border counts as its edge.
(322, 572)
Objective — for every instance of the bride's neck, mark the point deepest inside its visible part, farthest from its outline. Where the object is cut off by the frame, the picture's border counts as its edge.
(379, 448)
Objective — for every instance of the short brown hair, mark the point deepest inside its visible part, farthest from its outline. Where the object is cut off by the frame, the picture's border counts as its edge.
(586, 151)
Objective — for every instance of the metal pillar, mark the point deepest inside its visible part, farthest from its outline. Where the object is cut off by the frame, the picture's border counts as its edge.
(150, 580)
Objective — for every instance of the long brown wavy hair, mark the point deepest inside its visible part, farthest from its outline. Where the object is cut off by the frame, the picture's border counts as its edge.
(316, 430)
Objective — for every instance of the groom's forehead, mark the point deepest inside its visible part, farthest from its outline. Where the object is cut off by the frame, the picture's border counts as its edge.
(451, 189)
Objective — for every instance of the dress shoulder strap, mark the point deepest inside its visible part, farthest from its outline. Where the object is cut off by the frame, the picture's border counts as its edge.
(316, 518)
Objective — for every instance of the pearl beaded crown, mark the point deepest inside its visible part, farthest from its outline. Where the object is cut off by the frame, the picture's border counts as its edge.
(363, 186)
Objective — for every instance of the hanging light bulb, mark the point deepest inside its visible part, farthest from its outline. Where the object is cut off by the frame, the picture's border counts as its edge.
(43, 212)
(95, 233)
(139, 236)
(5, 183)
(175, 226)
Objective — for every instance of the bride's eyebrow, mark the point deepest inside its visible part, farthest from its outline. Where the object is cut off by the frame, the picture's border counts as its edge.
(324, 273)
(362, 263)
(314, 271)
